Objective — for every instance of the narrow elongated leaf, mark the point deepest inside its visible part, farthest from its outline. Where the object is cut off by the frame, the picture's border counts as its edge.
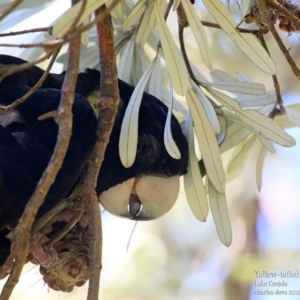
(221, 76)
(4, 5)
(225, 100)
(144, 28)
(174, 61)
(126, 61)
(293, 115)
(266, 127)
(176, 4)
(129, 129)
(198, 31)
(140, 62)
(135, 14)
(238, 132)
(259, 167)
(177, 105)
(256, 121)
(266, 110)
(31, 54)
(239, 157)
(116, 12)
(85, 36)
(243, 77)
(162, 6)
(169, 142)
(246, 42)
(224, 125)
(63, 23)
(207, 142)
(240, 87)
(267, 143)
(235, 134)
(218, 206)
(209, 109)
(256, 101)
(155, 85)
(193, 184)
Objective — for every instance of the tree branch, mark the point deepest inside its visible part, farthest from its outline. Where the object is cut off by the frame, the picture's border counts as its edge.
(7, 108)
(12, 33)
(108, 105)
(21, 233)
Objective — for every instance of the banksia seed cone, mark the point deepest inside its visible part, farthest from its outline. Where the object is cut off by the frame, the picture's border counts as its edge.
(72, 266)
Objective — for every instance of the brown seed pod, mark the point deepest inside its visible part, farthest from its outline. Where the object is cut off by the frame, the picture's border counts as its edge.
(72, 265)
(285, 24)
(256, 16)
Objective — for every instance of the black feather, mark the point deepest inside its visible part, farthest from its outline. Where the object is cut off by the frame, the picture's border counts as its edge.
(26, 144)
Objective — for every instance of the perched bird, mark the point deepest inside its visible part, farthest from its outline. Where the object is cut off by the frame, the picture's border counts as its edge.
(27, 144)
(152, 158)
(146, 190)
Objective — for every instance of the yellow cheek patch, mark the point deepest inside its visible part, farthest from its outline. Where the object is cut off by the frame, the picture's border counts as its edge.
(93, 98)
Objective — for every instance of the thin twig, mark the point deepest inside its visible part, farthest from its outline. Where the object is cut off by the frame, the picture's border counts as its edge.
(280, 8)
(168, 8)
(9, 70)
(108, 105)
(40, 222)
(217, 26)
(12, 33)
(278, 109)
(57, 237)
(72, 28)
(10, 9)
(21, 233)
(182, 23)
(284, 50)
(61, 41)
(7, 108)
(183, 52)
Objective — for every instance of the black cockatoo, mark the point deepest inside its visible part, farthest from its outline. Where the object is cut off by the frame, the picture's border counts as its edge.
(26, 145)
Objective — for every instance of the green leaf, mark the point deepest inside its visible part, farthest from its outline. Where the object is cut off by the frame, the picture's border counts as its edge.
(126, 61)
(221, 76)
(117, 11)
(176, 4)
(155, 84)
(246, 42)
(162, 7)
(193, 184)
(209, 109)
(198, 31)
(129, 129)
(266, 143)
(207, 142)
(218, 206)
(259, 167)
(135, 14)
(256, 101)
(266, 127)
(235, 134)
(144, 28)
(239, 157)
(63, 23)
(240, 87)
(255, 121)
(174, 61)
(293, 115)
(169, 142)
